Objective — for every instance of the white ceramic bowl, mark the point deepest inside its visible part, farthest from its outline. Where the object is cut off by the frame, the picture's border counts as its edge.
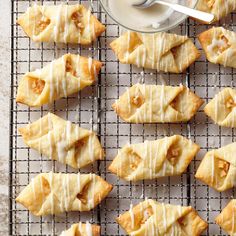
(171, 22)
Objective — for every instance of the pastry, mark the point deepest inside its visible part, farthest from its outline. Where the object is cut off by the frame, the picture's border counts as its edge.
(61, 78)
(159, 219)
(55, 193)
(81, 229)
(61, 24)
(218, 168)
(63, 141)
(157, 104)
(219, 45)
(153, 159)
(160, 51)
(222, 108)
(227, 218)
(219, 8)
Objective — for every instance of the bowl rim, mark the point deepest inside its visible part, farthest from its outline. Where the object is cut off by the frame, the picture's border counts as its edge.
(163, 29)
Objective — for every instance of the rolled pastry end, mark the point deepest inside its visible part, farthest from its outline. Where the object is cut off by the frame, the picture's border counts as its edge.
(82, 229)
(30, 90)
(226, 219)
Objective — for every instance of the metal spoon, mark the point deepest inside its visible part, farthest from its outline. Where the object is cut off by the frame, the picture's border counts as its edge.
(200, 15)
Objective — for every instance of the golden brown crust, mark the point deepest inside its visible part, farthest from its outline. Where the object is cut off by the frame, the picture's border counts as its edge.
(61, 78)
(63, 141)
(81, 229)
(218, 168)
(219, 45)
(157, 104)
(227, 218)
(55, 193)
(222, 108)
(153, 159)
(160, 51)
(219, 8)
(159, 219)
(61, 24)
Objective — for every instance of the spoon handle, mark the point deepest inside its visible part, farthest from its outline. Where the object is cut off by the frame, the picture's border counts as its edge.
(200, 15)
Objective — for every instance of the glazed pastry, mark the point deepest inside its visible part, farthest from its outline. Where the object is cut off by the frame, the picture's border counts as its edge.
(219, 45)
(218, 168)
(159, 219)
(82, 230)
(219, 8)
(63, 141)
(55, 193)
(157, 104)
(61, 78)
(160, 51)
(222, 108)
(61, 24)
(227, 218)
(153, 159)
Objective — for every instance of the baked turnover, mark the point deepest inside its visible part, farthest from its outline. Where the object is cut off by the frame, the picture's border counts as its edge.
(61, 78)
(227, 218)
(81, 229)
(219, 8)
(219, 45)
(153, 159)
(218, 168)
(159, 51)
(63, 141)
(221, 109)
(157, 104)
(61, 24)
(159, 219)
(55, 193)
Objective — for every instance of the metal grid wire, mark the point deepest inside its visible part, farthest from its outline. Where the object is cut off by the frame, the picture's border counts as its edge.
(92, 109)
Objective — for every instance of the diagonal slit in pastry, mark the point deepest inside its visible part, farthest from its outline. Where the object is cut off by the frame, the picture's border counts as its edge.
(220, 45)
(131, 162)
(230, 103)
(223, 167)
(135, 100)
(80, 145)
(42, 22)
(173, 153)
(140, 216)
(70, 68)
(83, 195)
(36, 85)
(210, 3)
(46, 189)
(77, 18)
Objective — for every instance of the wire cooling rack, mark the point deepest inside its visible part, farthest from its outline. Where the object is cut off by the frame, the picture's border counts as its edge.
(92, 109)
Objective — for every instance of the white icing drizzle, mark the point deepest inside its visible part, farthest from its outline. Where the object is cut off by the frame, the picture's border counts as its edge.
(128, 44)
(51, 196)
(162, 102)
(89, 230)
(164, 216)
(129, 99)
(64, 187)
(51, 82)
(151, 103)
(64, 80)
(61, 150)
(90, 64)
(131, 215)
(213, 169)
(66, 27)
(56, 29)
(91, 145)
